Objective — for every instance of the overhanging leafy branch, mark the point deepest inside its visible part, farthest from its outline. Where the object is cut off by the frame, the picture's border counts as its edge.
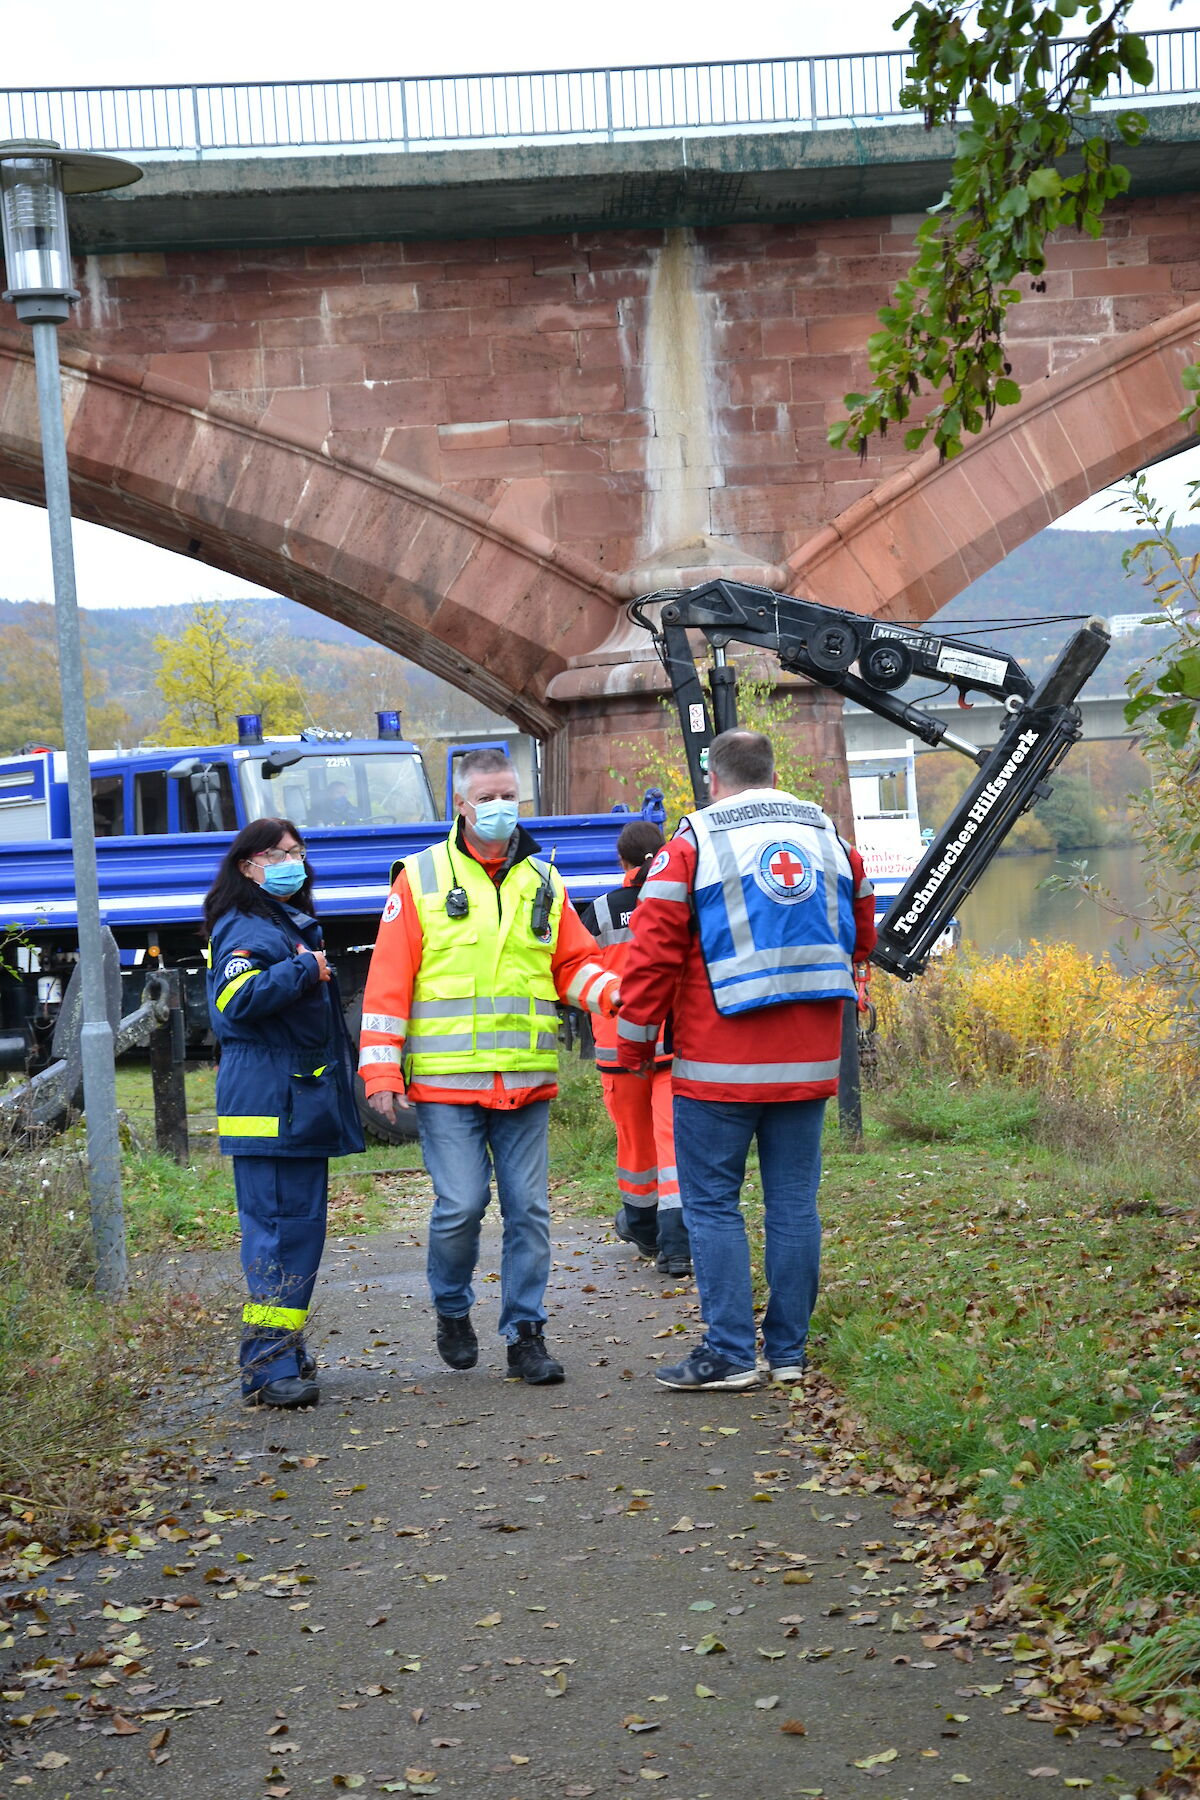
(1027, 95)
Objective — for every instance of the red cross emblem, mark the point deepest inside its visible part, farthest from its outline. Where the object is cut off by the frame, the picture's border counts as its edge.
(785, 872)
(787, 869)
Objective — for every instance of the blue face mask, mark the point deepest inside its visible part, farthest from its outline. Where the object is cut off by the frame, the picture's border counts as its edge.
(285, 878)
(496, 820)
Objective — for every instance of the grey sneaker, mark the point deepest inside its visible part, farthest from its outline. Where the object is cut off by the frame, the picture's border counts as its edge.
(702, 1369)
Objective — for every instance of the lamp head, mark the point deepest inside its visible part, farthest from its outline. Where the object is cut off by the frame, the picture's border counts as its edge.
(35, 176)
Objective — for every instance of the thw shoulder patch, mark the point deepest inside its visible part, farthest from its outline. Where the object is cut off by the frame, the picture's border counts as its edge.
(237, 965)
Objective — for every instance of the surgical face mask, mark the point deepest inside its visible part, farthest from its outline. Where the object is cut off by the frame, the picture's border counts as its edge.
(496, 820)
(284, 879)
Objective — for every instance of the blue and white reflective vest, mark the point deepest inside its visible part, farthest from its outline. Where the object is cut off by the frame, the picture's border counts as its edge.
(774, 901)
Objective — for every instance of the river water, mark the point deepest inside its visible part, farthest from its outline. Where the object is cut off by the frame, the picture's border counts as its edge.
(1011, 905)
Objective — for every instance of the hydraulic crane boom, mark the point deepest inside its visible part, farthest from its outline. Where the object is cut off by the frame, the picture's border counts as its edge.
(868, 660)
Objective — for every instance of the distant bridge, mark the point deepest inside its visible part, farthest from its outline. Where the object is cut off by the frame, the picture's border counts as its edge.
(1103, 717)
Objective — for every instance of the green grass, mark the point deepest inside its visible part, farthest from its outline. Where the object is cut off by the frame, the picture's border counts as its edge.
(1022, 1321)
(1027, 1324)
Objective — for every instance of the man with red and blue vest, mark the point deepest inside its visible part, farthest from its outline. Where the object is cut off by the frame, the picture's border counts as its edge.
(747, 930)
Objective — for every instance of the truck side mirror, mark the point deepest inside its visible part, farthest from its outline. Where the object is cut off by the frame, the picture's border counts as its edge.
(181, 770)
(277, 762)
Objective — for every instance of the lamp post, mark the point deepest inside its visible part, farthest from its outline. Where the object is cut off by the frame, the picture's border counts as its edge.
(35, 177)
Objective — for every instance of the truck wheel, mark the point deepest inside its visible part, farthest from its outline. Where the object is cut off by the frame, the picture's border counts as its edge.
(404, 1129)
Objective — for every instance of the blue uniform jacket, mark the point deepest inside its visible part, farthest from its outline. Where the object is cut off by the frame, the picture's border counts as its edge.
(285, 1082)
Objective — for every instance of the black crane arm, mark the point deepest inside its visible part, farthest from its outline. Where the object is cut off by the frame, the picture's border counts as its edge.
(867, 660)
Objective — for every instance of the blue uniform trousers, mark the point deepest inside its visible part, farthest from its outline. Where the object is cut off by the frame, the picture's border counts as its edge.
(281, 1208)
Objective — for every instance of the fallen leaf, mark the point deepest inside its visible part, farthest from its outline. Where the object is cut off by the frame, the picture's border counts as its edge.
(709, 1645)
(415, 1774)
(1042, 1769)
(702, 1606)
(767, 1702)
(683, 1524)
(122, 1727)
(53, 1759)
(349, 1781)
(880, 1756)
(489, 1619)
(704, 1693)
(793, 1728)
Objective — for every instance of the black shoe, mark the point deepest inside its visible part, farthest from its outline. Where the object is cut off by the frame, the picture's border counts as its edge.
(289, 1391)
(529, 1358)
(457, 1344)
(308, 1363)
(631, 1231)
(675, 1265)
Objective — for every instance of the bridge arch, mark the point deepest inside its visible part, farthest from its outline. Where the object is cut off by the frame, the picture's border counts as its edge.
(924, 534)
(496, 611)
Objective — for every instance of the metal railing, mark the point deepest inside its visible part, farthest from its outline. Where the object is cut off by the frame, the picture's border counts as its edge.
(439, 111)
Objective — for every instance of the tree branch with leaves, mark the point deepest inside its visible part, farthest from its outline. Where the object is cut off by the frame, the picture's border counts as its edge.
(1024, 94)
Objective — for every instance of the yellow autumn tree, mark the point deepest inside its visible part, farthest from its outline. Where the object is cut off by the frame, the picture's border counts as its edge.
(211, 672)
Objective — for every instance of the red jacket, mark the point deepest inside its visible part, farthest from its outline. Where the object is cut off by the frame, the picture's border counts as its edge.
(788, 1052)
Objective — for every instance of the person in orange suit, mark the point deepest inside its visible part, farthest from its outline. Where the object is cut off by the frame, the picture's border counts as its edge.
(650, 1216)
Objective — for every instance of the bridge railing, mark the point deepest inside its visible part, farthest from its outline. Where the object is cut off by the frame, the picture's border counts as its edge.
(439, 111)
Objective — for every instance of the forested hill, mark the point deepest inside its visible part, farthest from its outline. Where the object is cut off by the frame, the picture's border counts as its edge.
(1062, 572)
(344, 676)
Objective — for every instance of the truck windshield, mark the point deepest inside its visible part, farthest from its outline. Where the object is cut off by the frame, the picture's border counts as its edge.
(331, 789)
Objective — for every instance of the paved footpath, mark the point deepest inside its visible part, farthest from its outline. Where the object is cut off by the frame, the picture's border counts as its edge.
(452, 1584)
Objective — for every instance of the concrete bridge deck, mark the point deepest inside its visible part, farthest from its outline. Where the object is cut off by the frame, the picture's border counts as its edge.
(754, 177)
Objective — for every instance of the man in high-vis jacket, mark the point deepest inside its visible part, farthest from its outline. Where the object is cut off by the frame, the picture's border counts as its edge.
(477, 943)
(748, 926)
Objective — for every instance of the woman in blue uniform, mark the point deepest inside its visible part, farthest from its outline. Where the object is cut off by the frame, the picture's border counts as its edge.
(285, 1093)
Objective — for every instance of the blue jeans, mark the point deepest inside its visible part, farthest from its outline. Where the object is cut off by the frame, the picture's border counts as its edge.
(712, 1140)
(463, 1146)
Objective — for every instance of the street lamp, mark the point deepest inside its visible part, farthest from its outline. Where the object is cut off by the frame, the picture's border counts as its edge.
(35, 177)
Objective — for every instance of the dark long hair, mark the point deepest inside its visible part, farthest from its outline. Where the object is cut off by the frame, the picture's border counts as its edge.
(638, 843)
(234, 892)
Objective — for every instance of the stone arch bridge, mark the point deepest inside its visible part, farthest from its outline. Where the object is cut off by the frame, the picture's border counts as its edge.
(471, 403)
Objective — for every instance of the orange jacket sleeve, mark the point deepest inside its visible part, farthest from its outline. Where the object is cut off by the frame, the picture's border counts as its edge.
(580, 977)
(387, 999)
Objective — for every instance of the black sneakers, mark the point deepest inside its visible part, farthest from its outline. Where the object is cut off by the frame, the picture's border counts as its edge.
(529, 1358)
(457, 1344)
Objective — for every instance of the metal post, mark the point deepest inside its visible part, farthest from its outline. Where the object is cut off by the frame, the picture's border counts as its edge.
(849, 1080)
(99, 1072)
(166, 1075)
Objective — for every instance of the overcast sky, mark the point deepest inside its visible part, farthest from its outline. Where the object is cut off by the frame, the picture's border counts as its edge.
(134, 42)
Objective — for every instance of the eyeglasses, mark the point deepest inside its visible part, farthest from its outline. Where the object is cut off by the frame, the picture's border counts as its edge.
(278, 856)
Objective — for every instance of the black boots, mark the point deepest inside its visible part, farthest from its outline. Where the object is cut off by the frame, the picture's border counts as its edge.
(457, 1344)
(637, 1225)
(529, 1358)
(674, 1251)
(289, 1391)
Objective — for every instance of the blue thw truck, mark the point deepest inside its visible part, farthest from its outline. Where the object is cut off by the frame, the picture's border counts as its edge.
(165, 816)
